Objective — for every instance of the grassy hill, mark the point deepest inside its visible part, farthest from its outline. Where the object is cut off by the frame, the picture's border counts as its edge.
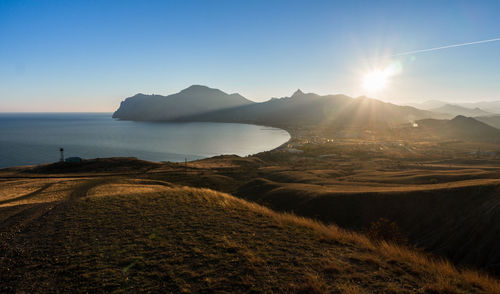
(453, 220)
(103, 234)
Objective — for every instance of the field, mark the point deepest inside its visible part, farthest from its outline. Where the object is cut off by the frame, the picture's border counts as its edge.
(378, 221)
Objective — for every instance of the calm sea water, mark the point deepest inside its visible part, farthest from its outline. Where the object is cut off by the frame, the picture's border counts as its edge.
(27, 139)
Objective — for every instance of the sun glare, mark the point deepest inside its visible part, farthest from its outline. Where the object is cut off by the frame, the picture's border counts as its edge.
(375, 81)
(377, 78)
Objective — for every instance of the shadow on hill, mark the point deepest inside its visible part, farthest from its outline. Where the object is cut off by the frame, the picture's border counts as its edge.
(460, 223)
(118, 164)
(118, 238)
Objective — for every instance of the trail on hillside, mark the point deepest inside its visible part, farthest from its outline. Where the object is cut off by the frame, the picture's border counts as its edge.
(16, 222)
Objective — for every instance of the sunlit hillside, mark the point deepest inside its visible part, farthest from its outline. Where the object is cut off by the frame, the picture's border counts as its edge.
(119, 234)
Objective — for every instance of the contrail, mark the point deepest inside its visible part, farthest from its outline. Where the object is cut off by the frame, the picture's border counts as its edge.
(445, 47)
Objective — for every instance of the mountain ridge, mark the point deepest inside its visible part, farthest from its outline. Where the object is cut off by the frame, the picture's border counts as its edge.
(454, 110)
(460, 127)
(328, 113)
(298, 109)
(192, 100)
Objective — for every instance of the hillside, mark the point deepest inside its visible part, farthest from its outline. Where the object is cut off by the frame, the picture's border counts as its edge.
(492, 120)
(458, 128)
(454, 110)
(301, 109)
(452, 220)
(123, 234)
(193, 100)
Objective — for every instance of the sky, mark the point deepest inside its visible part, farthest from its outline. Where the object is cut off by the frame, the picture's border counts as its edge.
(86, 56)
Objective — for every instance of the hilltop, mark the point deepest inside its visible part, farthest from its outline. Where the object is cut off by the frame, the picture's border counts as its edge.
(192, 100)
(127, 234)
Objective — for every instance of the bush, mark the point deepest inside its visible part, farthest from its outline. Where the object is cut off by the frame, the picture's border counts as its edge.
(386, 230)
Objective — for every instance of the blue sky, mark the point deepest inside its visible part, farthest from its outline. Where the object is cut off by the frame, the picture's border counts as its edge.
(89, 55)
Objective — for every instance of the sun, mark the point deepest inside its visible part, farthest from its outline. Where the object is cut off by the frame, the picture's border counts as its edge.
(375, 81)
(377, 78)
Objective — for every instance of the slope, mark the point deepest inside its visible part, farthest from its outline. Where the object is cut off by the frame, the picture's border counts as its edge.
(452, 220)
(492, 120)
(458, 128)
(303, 110)
(135, 235)
(192, 100)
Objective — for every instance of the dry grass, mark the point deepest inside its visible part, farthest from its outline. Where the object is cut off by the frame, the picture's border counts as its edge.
(123, 234)
(349, 288)
(441, 275)
(437, 274)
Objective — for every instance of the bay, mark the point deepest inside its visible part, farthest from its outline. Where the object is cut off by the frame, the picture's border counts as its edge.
(35, 138)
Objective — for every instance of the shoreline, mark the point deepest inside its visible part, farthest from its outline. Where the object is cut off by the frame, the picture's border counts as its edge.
(251, 148)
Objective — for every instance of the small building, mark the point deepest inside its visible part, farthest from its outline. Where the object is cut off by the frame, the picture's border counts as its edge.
(73, 160)
(295, 151)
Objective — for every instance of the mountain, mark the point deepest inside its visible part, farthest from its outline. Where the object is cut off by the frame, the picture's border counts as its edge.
(454, 110)
(303, 109)
(192, 100)
(459, 128)
(492, 120)
(490, 106)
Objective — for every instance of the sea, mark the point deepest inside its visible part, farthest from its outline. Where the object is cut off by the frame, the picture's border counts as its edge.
(36, 138)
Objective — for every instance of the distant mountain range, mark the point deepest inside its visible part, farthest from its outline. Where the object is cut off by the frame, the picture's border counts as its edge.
(193, 100)
(466, 109)
(333, 111)
(329, 112)
(200, 103)
(490, 106)
(454, 110)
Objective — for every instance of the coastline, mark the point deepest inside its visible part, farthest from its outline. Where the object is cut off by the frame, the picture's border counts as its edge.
(287, 129)
(148, 140)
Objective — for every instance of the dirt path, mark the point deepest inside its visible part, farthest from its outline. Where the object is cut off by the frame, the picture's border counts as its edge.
(29, 195)
(82, 189)
(15, 219)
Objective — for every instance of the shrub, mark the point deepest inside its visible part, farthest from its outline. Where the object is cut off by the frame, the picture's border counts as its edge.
(386, 230)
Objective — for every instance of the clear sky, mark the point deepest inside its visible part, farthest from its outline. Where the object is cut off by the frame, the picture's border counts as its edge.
(90, 55)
